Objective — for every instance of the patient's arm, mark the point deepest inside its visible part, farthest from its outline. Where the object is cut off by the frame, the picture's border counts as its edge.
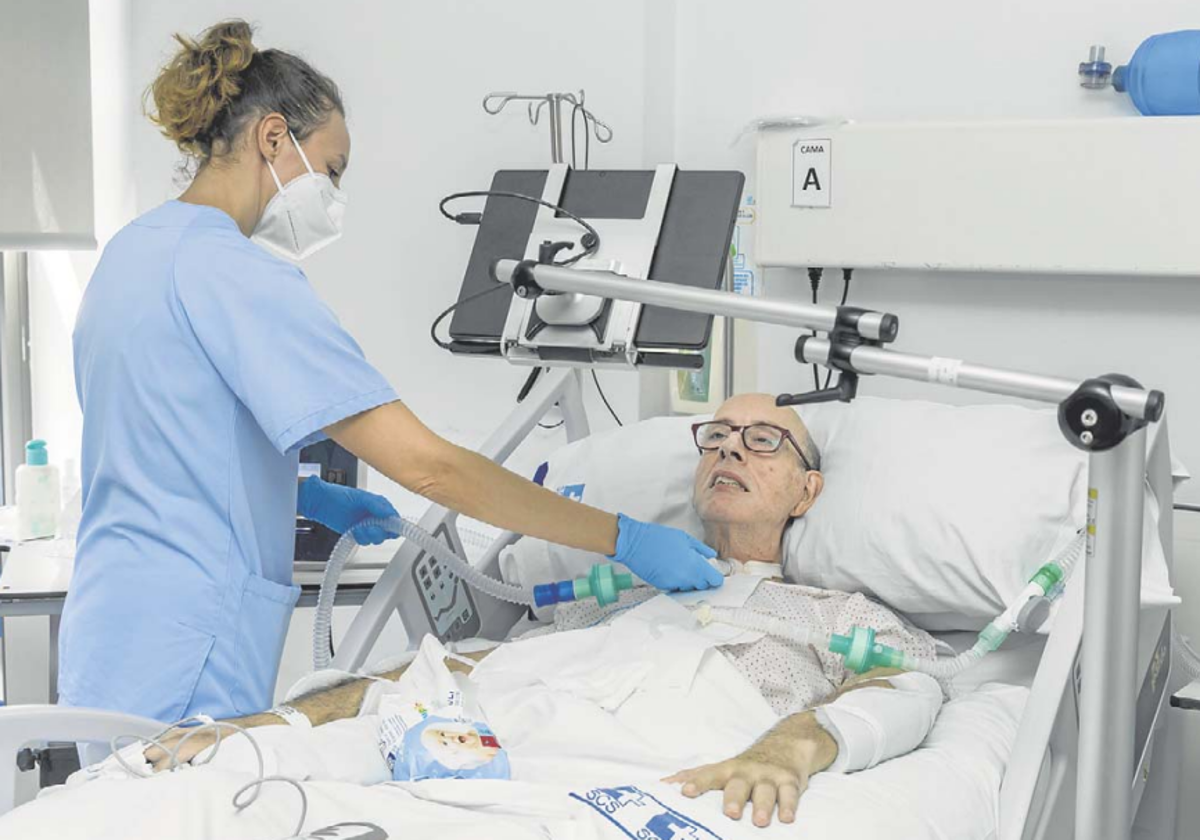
(320, 707)
(775, 771)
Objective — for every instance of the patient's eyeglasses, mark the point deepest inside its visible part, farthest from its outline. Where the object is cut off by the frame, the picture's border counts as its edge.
(757, 437)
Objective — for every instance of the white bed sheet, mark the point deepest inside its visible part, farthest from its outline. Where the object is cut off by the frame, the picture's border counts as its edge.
(584, 768)
(946, 789)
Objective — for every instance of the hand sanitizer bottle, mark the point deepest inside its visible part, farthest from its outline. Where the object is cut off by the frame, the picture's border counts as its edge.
(38, 499)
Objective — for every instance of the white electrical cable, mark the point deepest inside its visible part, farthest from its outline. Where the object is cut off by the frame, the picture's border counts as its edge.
(748, 619)
(207, 724)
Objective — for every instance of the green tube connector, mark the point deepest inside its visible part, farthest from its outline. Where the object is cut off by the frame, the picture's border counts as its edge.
(603, 584)
(862, 653)
(1047, 577)
(992, 636)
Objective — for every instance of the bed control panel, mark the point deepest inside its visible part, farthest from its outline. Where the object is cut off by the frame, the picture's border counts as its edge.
(447, 600)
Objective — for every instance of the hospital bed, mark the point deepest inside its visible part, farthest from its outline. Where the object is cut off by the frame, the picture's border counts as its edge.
(1037, 797)
(1036, 800)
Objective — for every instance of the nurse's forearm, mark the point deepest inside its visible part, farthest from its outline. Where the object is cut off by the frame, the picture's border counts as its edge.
(392, 440)
(483, 490)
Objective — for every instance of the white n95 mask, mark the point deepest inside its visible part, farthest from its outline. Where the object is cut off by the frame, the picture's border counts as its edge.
(303, 217)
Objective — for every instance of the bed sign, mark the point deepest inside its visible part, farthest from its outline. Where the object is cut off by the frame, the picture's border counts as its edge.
(572, 491)
(812, 172)
(641, 816)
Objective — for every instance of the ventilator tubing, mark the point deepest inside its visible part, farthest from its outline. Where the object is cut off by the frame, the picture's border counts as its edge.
(862, 653)
(748, 619)
(344, 550)
(601, 583)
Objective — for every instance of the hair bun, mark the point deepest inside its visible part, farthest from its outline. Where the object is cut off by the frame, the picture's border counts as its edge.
(199, 81)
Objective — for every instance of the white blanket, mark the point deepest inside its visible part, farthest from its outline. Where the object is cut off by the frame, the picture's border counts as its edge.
(591, 721)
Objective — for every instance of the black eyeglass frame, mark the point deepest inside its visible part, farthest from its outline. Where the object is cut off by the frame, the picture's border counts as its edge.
(742, 430)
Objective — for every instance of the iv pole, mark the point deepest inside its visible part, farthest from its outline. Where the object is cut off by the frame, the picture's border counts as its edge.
(495, 102)
(1105, 416)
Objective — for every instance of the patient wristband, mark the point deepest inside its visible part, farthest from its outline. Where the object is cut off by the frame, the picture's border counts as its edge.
(291, 716)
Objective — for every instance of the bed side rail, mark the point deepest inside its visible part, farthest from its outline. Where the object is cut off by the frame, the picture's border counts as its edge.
(21, 726)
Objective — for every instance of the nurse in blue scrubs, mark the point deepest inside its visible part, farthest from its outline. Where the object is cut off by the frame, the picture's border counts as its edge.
(204, 362)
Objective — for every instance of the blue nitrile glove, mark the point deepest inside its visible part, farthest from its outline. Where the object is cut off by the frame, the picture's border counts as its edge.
(340, 508)
(664, 557)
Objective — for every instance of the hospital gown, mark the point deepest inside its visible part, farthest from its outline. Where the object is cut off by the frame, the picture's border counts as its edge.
(790, 676)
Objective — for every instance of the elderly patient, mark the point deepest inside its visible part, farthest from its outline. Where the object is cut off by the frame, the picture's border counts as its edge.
(758, 470)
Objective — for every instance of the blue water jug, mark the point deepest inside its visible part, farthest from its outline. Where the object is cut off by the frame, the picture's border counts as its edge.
(1163, 77)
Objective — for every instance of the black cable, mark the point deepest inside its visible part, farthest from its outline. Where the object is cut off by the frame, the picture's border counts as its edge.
(475, 218)
(814, 279)
(600, 390)
(531, 381)
(847, 273)
(522, 396)
(445, 345)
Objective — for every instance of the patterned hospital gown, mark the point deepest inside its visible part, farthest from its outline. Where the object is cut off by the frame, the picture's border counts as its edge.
(791, 677)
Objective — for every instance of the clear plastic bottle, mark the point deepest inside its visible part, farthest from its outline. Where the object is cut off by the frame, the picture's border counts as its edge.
(38, 497)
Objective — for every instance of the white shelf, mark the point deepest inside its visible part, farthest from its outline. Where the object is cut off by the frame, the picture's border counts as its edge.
(1098, 196)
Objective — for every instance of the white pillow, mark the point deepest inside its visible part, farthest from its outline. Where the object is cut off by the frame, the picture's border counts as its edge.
(939, 511)
(943, 512)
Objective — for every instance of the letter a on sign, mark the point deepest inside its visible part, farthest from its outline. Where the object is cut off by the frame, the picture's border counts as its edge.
(811, 172)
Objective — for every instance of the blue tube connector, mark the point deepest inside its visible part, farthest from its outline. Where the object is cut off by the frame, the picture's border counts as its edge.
(601, 583)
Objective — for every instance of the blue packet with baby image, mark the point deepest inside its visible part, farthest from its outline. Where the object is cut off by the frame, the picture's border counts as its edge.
(419, 744)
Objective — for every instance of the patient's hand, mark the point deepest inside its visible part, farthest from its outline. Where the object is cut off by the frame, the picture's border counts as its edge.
(773, 772)
(196, 744)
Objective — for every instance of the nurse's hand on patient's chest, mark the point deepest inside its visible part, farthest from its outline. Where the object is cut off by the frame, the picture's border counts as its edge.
(665, 557)
(341, 509)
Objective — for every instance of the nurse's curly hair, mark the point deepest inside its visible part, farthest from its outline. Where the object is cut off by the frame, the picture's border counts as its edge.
(215, 85)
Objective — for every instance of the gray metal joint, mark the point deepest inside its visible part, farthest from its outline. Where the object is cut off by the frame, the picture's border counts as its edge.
(845, 337)
(524, 284)
(873, 327)
(1091, 419)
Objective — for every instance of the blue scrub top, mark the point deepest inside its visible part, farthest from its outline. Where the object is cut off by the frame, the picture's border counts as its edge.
(203, 364)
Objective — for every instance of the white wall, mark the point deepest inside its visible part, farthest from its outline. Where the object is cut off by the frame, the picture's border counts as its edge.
(948, 59)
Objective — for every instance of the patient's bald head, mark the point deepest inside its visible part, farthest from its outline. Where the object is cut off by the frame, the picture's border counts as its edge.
(746, 494)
